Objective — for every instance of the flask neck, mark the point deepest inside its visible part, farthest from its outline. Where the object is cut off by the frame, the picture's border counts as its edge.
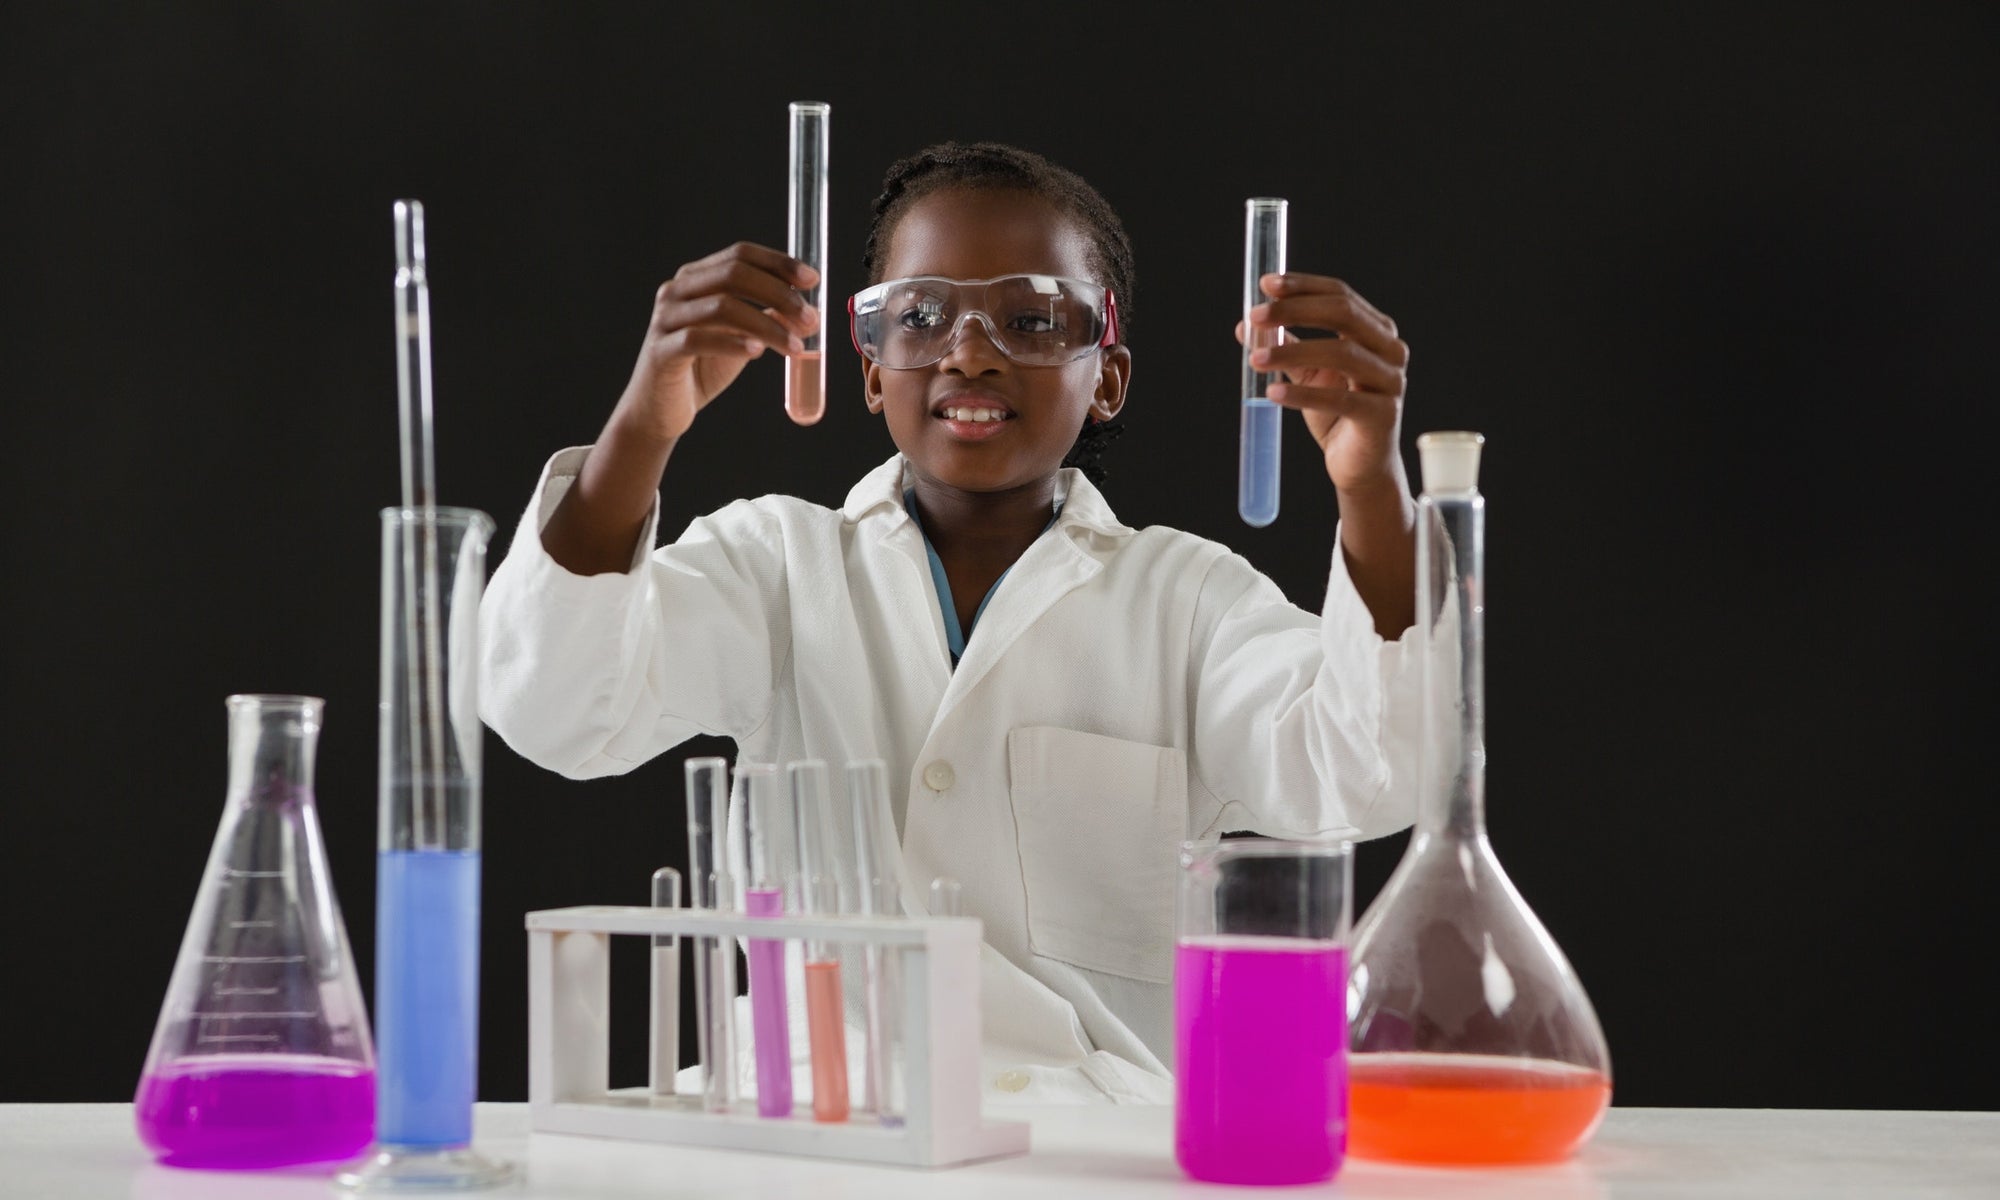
(272, 744)
(1451, 603)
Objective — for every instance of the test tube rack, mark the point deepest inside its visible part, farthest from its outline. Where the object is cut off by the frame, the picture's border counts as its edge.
(569, 958)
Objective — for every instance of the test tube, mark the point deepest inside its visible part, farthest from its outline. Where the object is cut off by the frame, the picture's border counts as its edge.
(878, 894)
(947, 898)
(770, 866)
(819, 893)
(666, 1027)
(714, 957)
(1257, 449)
(805, 202)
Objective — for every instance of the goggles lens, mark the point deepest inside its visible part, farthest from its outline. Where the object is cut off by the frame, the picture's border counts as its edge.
(1036, 320)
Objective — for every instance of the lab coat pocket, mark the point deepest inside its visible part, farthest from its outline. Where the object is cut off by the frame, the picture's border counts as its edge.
(1100, 822)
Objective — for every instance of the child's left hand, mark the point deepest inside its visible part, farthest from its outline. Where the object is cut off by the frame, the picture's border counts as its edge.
(1349, 387)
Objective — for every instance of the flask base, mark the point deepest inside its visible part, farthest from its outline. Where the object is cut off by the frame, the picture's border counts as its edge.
(426, 1169)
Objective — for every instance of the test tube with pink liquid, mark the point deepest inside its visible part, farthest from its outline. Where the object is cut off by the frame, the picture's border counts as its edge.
(769, 869)
(819, 896)
(805, 370)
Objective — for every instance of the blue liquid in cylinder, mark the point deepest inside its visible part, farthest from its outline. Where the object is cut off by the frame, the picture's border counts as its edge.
(426, 996)
(1257, 462)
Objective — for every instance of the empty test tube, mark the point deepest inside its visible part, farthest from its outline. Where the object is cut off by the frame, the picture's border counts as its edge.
(1257, 449)
(665, 1059)
(714, 958)
(767, 837)
(878, 894)
(805, 371)
(946, 897)
(819, 895)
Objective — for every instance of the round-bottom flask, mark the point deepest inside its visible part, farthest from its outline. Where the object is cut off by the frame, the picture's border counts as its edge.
(1471, 1040)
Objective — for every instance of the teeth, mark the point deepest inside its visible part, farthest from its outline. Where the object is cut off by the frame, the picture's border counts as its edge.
(978, 416)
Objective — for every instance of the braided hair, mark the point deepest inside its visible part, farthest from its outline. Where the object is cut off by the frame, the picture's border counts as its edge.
(993, 166)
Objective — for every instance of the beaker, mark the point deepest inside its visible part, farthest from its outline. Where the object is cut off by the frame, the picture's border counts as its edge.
(428, 854)
(1260, 1040)
(261, 1057)
(1472, 1040)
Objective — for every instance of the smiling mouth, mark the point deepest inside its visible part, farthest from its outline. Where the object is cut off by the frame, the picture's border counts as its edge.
(974, 414)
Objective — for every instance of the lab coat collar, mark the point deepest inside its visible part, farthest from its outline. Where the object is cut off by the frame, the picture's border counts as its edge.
(1047, 571)
(1083, 506)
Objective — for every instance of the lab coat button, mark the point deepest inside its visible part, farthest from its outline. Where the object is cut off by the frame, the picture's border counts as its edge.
(1011, 1081)
(939, 776)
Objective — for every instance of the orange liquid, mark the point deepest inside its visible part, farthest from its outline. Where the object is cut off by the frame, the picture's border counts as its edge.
(805, 387)
(1465, 1109)
(829, 1041)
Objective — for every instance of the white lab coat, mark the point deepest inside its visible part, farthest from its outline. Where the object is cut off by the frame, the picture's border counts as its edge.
(1124, 690)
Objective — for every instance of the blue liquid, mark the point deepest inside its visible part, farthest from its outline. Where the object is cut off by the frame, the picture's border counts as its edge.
(426, 996)
(1257, 462)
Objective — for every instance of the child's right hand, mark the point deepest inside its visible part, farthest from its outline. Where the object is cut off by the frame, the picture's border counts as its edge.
(711, 318)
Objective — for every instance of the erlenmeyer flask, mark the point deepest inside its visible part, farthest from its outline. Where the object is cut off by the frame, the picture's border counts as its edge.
(1471, 1040)
(261, 1057)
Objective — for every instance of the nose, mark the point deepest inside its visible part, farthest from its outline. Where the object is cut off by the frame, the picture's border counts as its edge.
(975, 350)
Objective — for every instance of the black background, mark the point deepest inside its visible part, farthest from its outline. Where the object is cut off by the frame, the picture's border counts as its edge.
(1715, 283)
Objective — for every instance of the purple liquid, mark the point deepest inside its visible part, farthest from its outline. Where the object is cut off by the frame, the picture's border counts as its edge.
(251, 1111)
(768, 1018)
(1260, 1028)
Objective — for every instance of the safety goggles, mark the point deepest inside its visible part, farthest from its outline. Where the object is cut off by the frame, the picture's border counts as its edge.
(1036, 320)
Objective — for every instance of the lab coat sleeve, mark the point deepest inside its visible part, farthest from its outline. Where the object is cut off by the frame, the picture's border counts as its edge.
(593, 675)
(1303, 726)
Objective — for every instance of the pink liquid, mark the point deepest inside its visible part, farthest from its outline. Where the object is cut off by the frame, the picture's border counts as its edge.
(769, 1021)
(250, 1111)
(829, 1040)
(1260, 1028)
(805, 387)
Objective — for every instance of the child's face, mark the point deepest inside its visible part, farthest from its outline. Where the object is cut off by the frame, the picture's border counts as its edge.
(964, 234)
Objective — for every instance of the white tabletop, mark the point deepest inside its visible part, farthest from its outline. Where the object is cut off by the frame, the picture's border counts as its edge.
(57, 1151)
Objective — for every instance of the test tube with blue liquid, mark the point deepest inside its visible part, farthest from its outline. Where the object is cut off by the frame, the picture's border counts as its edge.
(428, 787)
(1257, 450)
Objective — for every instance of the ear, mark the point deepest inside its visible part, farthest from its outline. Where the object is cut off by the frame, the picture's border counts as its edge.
(1114, 375)
(871, 386)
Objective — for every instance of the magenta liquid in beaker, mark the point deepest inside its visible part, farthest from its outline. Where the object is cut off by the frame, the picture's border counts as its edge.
(256, 1110)
(1261, 1048)
(1260, 1004)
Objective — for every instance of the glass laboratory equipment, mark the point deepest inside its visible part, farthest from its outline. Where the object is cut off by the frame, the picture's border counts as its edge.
(261, 1057)
(878, 893)
(428, 855)
(805, 203)
(1472, 1040)
(1260, 1040)
(1258, 440)
(663, 1034)
(770, 872)
(819, 896)
(712, 888)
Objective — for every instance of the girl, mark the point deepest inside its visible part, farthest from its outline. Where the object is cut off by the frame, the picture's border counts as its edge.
(1061, 699)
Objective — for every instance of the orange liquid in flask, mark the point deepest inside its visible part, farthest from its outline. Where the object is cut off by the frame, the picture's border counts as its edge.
(1466, 1109)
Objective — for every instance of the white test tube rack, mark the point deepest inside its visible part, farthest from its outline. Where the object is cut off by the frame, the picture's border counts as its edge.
(569, 1008)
